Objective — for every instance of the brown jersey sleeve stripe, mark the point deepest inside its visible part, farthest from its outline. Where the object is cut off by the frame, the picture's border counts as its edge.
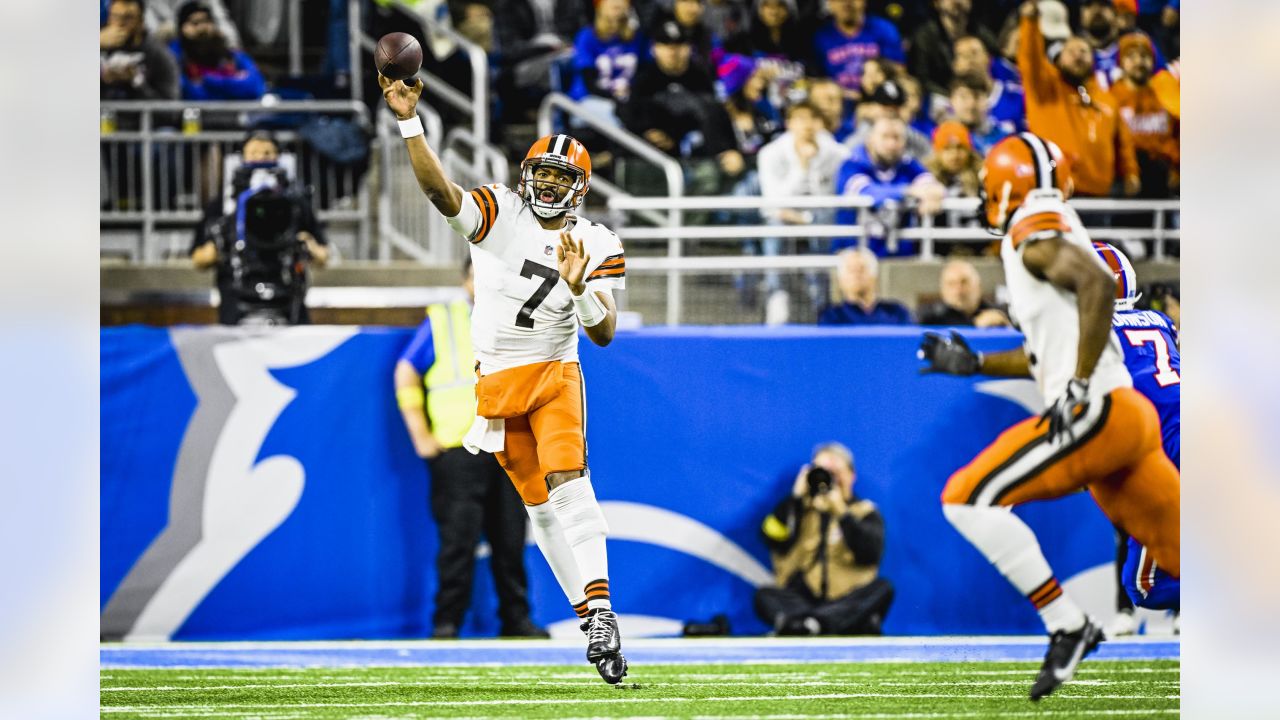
(485, 222)
(493, 202)
(489, 209)
(602, 274)
(1037, 225)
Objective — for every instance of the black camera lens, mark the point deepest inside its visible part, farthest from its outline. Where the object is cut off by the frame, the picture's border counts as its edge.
(819, 480)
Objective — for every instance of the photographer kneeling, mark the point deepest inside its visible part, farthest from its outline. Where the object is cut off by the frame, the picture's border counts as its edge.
(826, 545)
(261, 237)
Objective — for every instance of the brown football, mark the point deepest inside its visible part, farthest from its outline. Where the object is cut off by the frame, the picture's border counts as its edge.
(398, 55)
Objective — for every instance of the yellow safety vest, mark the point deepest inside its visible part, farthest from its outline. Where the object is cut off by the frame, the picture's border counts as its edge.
(450, 381)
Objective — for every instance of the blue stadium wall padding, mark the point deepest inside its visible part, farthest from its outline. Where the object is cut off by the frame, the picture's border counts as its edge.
(262, 486)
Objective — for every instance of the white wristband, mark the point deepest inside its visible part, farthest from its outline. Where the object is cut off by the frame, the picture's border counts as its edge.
(411, 127)
(589, 308)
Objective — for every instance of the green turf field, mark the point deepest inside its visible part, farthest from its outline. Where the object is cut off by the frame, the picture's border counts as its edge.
(1102, 689)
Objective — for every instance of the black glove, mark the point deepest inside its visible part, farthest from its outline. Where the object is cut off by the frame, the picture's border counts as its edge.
(950, 355)
(1064, 411)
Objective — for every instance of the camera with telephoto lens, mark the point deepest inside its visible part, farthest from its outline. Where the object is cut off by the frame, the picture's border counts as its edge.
(266, 260)
(819, 481)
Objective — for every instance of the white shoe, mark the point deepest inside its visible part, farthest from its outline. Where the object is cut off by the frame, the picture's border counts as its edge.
(777, 309)
(1124, 623)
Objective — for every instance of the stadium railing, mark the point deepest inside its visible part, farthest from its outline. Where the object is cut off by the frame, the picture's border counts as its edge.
(720, 253)
(162, 176)
(662, 211)
(476, 105)
(406, 220)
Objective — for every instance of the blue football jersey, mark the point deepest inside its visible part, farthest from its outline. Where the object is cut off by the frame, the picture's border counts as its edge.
(840, 57)
(615, 59)
(1150, 342)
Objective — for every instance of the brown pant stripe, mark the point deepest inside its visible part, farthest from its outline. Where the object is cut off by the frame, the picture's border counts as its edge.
(1057, 593)
(1039, 593)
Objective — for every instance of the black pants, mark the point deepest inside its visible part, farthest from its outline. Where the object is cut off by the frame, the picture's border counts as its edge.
(859, 613)
(471, 493)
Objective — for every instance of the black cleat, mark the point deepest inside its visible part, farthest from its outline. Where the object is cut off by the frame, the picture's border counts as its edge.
(1066, 650)
(612, 667)
(603, 639)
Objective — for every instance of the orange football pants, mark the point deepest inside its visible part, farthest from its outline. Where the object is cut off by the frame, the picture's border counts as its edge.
(545, 410)
(1116, 454)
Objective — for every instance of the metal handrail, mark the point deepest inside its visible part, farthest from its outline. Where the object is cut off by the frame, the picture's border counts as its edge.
(271, 105)
(479, 70)
(433, 83)
(730, 263)
(741, 232)
(927, 233)
(492, 163)
(737, 202)
(670, 168)
(388, 132)
(354, 36)
(147, 137)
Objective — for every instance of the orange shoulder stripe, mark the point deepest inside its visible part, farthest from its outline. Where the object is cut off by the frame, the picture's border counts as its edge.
(488, 211)
(482, 203)
(601, 275)
(1039, 224)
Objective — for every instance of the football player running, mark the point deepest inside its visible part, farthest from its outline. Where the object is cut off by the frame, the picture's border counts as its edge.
(1149, 339)
(540, 271)
(1096, 432)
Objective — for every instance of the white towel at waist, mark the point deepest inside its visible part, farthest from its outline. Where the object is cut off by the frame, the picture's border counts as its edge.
(489, 435)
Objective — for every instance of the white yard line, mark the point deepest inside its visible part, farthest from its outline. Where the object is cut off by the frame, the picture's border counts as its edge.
(614, 701)
(634, 643)
(442, 675)
(589, 681)
(787, 716)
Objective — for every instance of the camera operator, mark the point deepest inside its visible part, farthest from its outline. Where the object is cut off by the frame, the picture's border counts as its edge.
(826, 544)
(261, 238)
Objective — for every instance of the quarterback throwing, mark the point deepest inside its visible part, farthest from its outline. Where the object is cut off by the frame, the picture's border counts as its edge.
(540, 271)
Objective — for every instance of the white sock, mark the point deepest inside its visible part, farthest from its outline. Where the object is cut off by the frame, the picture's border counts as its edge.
(1012, 548)
(550, 538)
(585, 529)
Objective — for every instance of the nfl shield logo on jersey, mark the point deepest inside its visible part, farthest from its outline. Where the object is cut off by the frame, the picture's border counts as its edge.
(547, 250)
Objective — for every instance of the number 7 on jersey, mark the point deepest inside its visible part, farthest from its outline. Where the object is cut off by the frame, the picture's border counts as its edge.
(1165, 374)
(550, 276)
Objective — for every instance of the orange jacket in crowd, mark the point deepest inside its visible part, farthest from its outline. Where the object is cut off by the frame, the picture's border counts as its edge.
(1153, 127)
(1168, 86)
(1091, 135)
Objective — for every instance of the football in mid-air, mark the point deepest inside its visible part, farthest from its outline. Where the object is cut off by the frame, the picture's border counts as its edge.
(398, 55)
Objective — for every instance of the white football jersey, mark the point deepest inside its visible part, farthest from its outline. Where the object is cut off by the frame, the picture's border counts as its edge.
(1048, 315)
(524, 310)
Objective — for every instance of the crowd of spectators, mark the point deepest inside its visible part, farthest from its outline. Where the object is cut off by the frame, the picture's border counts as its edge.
(713, 80)
(201, 60)
(894, 103)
